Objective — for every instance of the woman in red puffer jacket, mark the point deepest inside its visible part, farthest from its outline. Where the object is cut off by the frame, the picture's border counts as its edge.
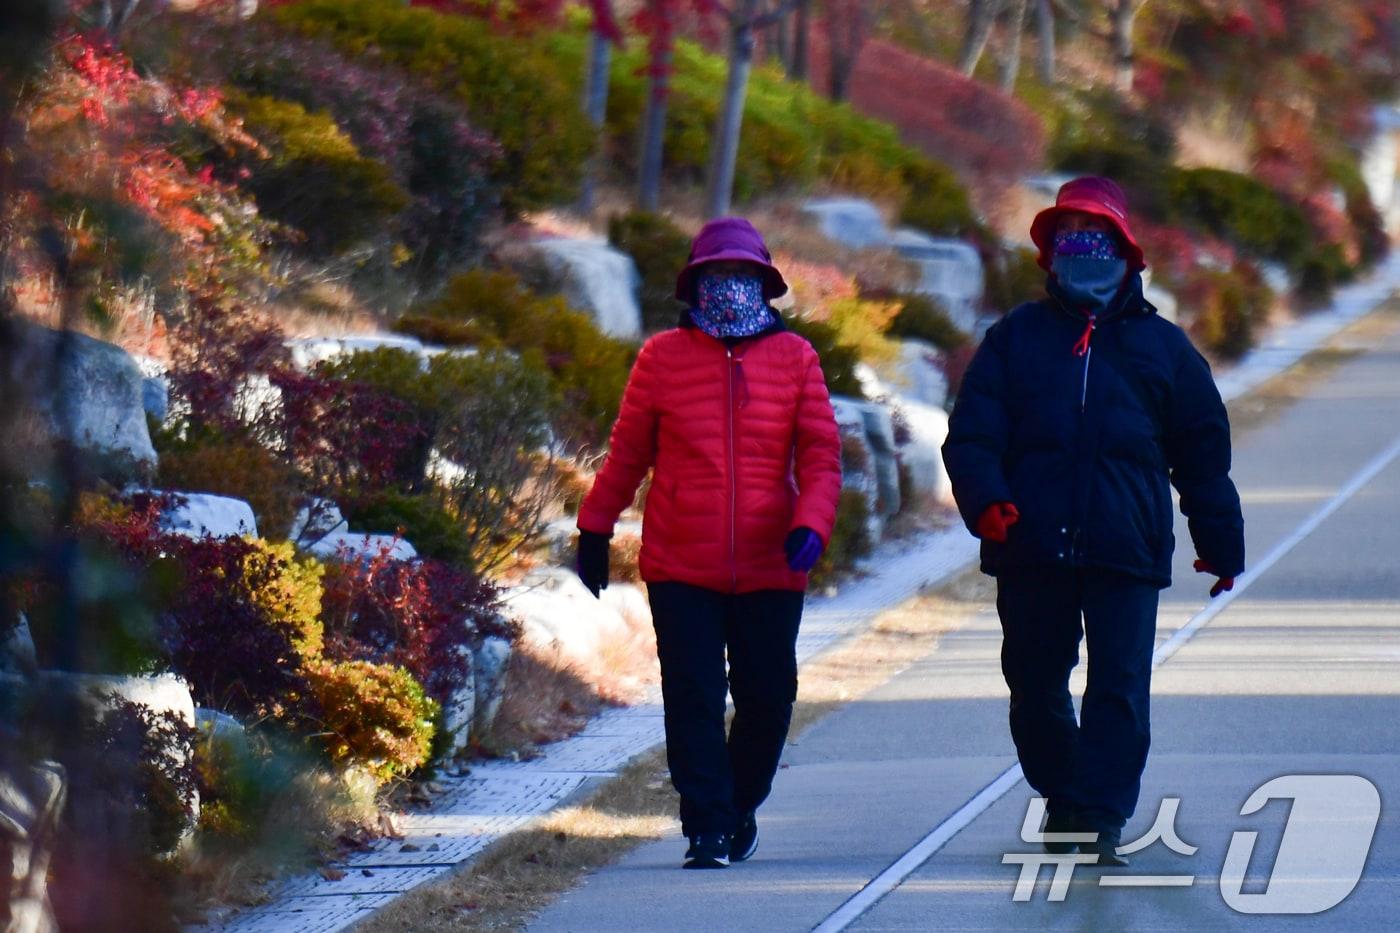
(732, 412)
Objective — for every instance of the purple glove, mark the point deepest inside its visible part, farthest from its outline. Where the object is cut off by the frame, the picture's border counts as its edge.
(804, 548)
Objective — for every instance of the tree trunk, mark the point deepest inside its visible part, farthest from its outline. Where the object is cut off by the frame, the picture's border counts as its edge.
(1045, 20)
(654, 138)
(981, 17)
(595, 104)
(802, 26)
(780, 45)
(731, 116)
(1122, 14)
(1011, 55)
(846, 28)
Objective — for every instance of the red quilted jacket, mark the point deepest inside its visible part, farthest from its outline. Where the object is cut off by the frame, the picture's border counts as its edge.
(745, 448)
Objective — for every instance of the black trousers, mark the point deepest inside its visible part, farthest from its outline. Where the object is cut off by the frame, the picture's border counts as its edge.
(718, 777)
(1092, 767)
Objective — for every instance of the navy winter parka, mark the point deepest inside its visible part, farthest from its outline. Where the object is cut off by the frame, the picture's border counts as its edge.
(1084, 445)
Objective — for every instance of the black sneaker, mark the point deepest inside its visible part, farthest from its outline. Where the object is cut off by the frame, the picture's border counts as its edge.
(1060, 822)
(745, 841)
(1106, 848)
(708, 850)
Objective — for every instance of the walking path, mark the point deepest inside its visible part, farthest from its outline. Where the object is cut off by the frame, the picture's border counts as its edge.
(497, 798)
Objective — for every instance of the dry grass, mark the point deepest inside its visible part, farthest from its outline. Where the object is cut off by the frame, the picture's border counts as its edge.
(1266, 402)
(544, 702)
(524, 872)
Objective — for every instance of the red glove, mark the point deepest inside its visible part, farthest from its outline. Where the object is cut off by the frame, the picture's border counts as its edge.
(1222, 584)
(993, 524)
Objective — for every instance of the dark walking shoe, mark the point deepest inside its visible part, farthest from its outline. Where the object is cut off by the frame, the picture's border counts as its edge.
(745, 841)
(1106, 848)
(708, 850)
(1056, 823)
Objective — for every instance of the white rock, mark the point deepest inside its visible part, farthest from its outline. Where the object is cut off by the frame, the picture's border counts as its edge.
(923, 455)
(343, 545)
(306, 352)
(1164, 301)
(917, 377)
(562, 618)
(17, 649)
(950, 270)
(99, 403)
(459, 712)
(202, 514)
(598, 279)
(852, 222)
(315, 520)
(489, 677)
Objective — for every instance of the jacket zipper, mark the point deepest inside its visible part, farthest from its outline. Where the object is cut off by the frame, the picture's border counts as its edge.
(1084, 387)
(733, 476)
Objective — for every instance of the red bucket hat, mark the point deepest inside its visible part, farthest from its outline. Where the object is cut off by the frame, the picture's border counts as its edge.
(1090, 195)
(734, 239)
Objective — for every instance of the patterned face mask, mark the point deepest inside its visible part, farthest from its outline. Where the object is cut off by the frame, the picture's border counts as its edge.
(1089, 267)
(730, 304)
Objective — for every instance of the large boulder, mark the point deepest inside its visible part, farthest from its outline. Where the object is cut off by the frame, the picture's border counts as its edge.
(17, 649)
(202, 514)
(86, 392)
(489, 664)
(950, 270)
(342, 545)
(316, 520)
(597, 279)
(459, 712)
(852, 222)
(917, 377)
(922, 454)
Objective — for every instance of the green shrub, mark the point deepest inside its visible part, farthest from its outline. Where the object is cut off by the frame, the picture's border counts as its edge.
(1240, 209)
(315, 179)
(373, 716)
(423, 520)
(923, 318)
(850, 539)
(838, 360)
(239, 468)
(937, 202)
(492, 310)
(513, 86)
(793, 138)
(1229, 306)
(1013, 277)
(1319, 271)
(660, 250)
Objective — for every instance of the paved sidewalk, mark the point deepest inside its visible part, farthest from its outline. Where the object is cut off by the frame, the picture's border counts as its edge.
(1300, 673)
(500, 797)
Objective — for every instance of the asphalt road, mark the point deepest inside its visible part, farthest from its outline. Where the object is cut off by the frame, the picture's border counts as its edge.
(1297, 674)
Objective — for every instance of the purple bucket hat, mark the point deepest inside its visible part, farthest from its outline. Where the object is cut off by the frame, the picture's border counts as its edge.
(729, 238)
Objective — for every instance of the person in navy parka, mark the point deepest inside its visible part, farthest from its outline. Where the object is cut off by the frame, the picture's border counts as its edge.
(1074, 415)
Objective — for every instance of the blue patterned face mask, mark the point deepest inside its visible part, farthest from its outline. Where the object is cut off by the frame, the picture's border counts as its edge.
(730, 304)
(1089, 267)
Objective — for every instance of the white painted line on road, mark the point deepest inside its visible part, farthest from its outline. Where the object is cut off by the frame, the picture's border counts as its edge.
(1218, 605)
(908, 863)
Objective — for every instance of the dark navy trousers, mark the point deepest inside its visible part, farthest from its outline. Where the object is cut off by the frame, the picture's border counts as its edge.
(1092, 767)
(720, 777)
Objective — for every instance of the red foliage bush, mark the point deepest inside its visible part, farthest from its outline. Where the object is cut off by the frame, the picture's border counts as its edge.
(346, 438)
(968, 125)
(420, 615)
